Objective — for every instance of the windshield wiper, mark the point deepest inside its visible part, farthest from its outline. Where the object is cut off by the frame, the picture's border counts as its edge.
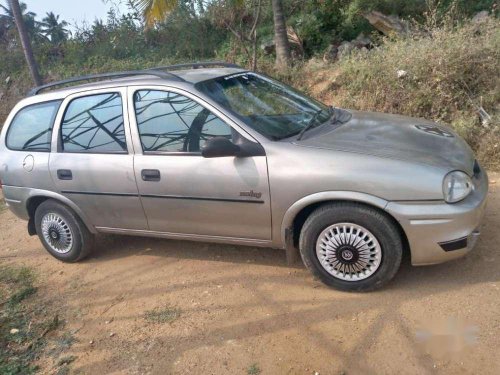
(309, 124)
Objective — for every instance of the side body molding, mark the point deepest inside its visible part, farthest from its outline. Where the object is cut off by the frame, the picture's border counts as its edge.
(326, 196)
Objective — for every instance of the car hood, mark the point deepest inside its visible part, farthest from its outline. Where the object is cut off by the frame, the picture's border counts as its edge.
(397, 137)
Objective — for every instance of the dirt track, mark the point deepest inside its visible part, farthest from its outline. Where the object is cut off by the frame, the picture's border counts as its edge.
(242, 306)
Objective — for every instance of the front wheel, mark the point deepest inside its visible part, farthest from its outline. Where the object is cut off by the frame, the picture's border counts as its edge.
(351, 246)
(61, 232)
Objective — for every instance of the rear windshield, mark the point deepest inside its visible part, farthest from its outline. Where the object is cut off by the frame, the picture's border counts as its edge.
(31, 129)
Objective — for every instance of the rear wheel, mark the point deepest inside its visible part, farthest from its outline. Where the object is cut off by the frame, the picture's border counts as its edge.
(61, 232)
(351, 247)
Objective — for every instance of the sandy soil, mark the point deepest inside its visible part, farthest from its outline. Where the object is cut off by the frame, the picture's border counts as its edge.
(242, 309)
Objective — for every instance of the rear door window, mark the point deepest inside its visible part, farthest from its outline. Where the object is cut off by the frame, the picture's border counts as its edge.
(94, 124)
(31, 129)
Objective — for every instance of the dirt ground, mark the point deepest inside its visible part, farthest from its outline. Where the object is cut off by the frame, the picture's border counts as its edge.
(241, 310)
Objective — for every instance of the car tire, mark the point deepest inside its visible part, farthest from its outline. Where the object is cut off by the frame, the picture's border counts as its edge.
(351, 246)
(62, 233)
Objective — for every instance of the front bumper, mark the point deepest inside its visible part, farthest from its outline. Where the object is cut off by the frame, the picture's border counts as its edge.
(439, 231)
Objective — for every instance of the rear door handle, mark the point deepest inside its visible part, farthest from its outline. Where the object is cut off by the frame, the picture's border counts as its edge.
(64, 174)
(150, 175)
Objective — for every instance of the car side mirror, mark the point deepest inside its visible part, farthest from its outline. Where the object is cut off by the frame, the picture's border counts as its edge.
(219, 147)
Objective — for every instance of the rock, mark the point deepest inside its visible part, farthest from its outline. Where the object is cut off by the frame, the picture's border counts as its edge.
(345, 49)
(91, 342)
(330, 54)
(111, 334)
(481, 16)
(13, 331)
(389, 25)
(268, 47)
(362, 41)
(401, 73)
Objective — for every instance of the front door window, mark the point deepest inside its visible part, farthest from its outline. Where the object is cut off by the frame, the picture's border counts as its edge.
(171, 122)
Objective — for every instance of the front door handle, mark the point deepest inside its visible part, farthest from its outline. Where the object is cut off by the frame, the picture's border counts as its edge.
(150, 175)
(64, 174)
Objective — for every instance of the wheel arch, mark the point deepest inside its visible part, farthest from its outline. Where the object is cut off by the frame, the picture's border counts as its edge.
(38, 197)
(297, 214)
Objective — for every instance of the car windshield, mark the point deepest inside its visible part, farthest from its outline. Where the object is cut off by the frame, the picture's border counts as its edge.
(271, 108)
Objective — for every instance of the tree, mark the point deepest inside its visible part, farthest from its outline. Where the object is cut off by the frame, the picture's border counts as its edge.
(283, 55)
(241, 19)
(155, 10)
(56, 31)
(25, 41)
(8, 21)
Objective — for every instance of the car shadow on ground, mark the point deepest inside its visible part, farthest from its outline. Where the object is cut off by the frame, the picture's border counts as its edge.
(110, 247)
(452, 274)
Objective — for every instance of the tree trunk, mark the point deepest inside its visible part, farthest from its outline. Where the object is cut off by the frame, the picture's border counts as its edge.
(25, 41)
(253, 35)
(283, 56)
(254, 51)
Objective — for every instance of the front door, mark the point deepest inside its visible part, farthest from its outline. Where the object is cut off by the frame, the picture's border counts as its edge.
(93, 165)
(183, 192)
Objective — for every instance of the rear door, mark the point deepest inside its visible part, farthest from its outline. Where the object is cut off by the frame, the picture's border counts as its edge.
(183, 192)
(93, 165)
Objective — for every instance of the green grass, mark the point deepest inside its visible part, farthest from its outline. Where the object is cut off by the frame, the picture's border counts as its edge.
(254, 369)
(20, 348)
(24, 323)
(3, 206)
(165, 315)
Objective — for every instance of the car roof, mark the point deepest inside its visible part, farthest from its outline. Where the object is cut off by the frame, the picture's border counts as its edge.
(176, 78)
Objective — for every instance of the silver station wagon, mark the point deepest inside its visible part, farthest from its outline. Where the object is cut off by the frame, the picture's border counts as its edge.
(213, 152)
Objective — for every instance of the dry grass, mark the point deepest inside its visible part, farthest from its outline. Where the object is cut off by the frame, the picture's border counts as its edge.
(164, 315)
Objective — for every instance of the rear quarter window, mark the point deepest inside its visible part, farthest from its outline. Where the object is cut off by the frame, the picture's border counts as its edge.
(31, 128)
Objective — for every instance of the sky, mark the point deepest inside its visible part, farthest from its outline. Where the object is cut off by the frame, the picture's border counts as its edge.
(73, 11)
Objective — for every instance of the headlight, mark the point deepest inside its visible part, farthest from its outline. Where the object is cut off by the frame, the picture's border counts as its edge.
(456, 186)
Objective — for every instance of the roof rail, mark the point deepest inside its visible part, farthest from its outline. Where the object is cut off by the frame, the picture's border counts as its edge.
(130, 73)
(160, 71)
(197, 65)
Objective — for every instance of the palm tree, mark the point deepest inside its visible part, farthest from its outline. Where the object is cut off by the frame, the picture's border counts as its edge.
(155, 10)
(283, 55)
(8, 21)
(56, 31)
(25, 41)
